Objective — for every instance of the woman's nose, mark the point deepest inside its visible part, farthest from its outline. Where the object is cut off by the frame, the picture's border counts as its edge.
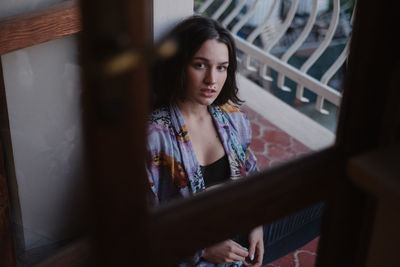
(210, 77)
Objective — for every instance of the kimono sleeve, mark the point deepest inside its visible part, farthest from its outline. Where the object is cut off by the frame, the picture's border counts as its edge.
(152, 171)
(157, 138)
(162, 167)
(250, 159)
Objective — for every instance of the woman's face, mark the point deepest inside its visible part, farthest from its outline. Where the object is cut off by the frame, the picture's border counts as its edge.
(207, 72)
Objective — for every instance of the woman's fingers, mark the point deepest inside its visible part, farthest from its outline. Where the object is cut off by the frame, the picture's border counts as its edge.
(256, 248)
(252, 250)
(225, 252)
(260, 253)
(234, 257)
(238, 249)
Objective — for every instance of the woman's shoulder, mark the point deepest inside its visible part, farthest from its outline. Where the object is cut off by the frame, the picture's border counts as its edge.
(236, 119)
(160, 116)
(159, 129)
(233, 112)
(230, 108)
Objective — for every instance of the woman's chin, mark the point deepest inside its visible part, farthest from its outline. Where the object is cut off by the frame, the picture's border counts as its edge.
(207, 101)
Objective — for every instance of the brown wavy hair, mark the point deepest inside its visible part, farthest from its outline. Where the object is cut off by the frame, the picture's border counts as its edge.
(169, 75)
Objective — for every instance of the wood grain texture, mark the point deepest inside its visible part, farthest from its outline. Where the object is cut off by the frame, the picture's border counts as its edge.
(384, 248)
(7, 253)
(114, 130)
(76, 254)
(40, 26)
(378, 172)
(7, 181)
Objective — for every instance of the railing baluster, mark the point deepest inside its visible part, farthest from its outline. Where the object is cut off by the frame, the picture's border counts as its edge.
(245, 18)
(204, 6)
(332, 70)
(257, 31)
(300, 40)
(247, 58)
(221, 9)
(291, 72)
(319, 105)
(328, 75)
(233, 13)
(263, 73)
(299, 95)
(247, 63)
(335, 66)
(318, 52)
(282, 30)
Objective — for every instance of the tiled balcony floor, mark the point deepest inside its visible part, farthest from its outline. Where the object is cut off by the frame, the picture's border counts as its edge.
(272, 146)
(301, 257)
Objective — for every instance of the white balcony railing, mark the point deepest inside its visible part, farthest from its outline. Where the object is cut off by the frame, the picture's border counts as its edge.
(260, 58)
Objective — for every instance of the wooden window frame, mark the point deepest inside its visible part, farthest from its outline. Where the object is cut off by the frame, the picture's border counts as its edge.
(18, 32)
(127, 229)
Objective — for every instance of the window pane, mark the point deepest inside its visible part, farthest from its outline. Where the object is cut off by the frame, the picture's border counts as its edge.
(291, 57)
(42, 85)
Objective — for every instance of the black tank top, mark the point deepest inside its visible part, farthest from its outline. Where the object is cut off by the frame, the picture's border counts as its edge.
(216, 172)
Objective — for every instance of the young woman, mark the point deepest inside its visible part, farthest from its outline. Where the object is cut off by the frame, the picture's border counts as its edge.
(198, 137)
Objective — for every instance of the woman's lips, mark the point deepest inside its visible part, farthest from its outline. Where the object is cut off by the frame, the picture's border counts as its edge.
(207, 92)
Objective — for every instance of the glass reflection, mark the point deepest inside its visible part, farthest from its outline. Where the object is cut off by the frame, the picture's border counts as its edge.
(291, 113)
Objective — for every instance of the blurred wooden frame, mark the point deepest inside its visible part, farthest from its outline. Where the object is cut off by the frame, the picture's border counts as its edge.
(20, 31)
(126, 227)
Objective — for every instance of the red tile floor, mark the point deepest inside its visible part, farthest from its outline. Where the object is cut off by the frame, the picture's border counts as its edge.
(301, 257)
(272, 146)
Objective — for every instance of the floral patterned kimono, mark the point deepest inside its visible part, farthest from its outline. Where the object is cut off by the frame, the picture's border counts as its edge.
(173, 170)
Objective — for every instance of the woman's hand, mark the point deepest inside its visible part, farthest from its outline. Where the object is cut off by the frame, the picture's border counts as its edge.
(225, 252)
(256, 249)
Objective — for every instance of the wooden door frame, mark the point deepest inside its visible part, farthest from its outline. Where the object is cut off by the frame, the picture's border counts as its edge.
(264, 197)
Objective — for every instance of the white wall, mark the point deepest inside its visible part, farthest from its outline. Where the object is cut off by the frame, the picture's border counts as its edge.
(167, 13)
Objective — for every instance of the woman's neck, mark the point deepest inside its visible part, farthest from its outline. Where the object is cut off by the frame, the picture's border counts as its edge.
(192, 110)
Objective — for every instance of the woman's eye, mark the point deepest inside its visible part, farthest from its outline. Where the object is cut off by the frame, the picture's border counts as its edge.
(199, 65)
(222, 68)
